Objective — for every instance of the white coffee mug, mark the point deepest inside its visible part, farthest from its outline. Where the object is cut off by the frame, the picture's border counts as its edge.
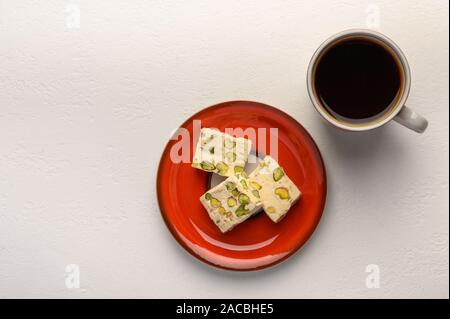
(399, 112)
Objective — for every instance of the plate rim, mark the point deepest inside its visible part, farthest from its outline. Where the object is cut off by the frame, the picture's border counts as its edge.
(240, 270)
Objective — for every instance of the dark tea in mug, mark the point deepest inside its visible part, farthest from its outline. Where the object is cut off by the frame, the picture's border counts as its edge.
(358, 80)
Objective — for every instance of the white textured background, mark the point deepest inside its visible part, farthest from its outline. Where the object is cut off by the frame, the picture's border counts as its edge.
(85, 113)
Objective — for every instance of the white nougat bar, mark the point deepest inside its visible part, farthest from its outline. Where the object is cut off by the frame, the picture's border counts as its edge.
(221, 153)
(230, 203)
(277, 193)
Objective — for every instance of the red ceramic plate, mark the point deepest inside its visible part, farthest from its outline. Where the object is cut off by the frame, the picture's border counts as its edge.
(258, 242)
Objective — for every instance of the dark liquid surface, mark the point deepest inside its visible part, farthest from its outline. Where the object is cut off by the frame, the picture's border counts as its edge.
(357, 80)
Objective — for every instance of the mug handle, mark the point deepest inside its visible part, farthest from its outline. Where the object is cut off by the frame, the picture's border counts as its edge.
(411, 120)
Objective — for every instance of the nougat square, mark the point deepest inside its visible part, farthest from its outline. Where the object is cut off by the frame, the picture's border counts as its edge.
(230, 203)
(221, 153)
(277, 193)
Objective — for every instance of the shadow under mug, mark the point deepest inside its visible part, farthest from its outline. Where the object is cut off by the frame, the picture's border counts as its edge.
(399, 112)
